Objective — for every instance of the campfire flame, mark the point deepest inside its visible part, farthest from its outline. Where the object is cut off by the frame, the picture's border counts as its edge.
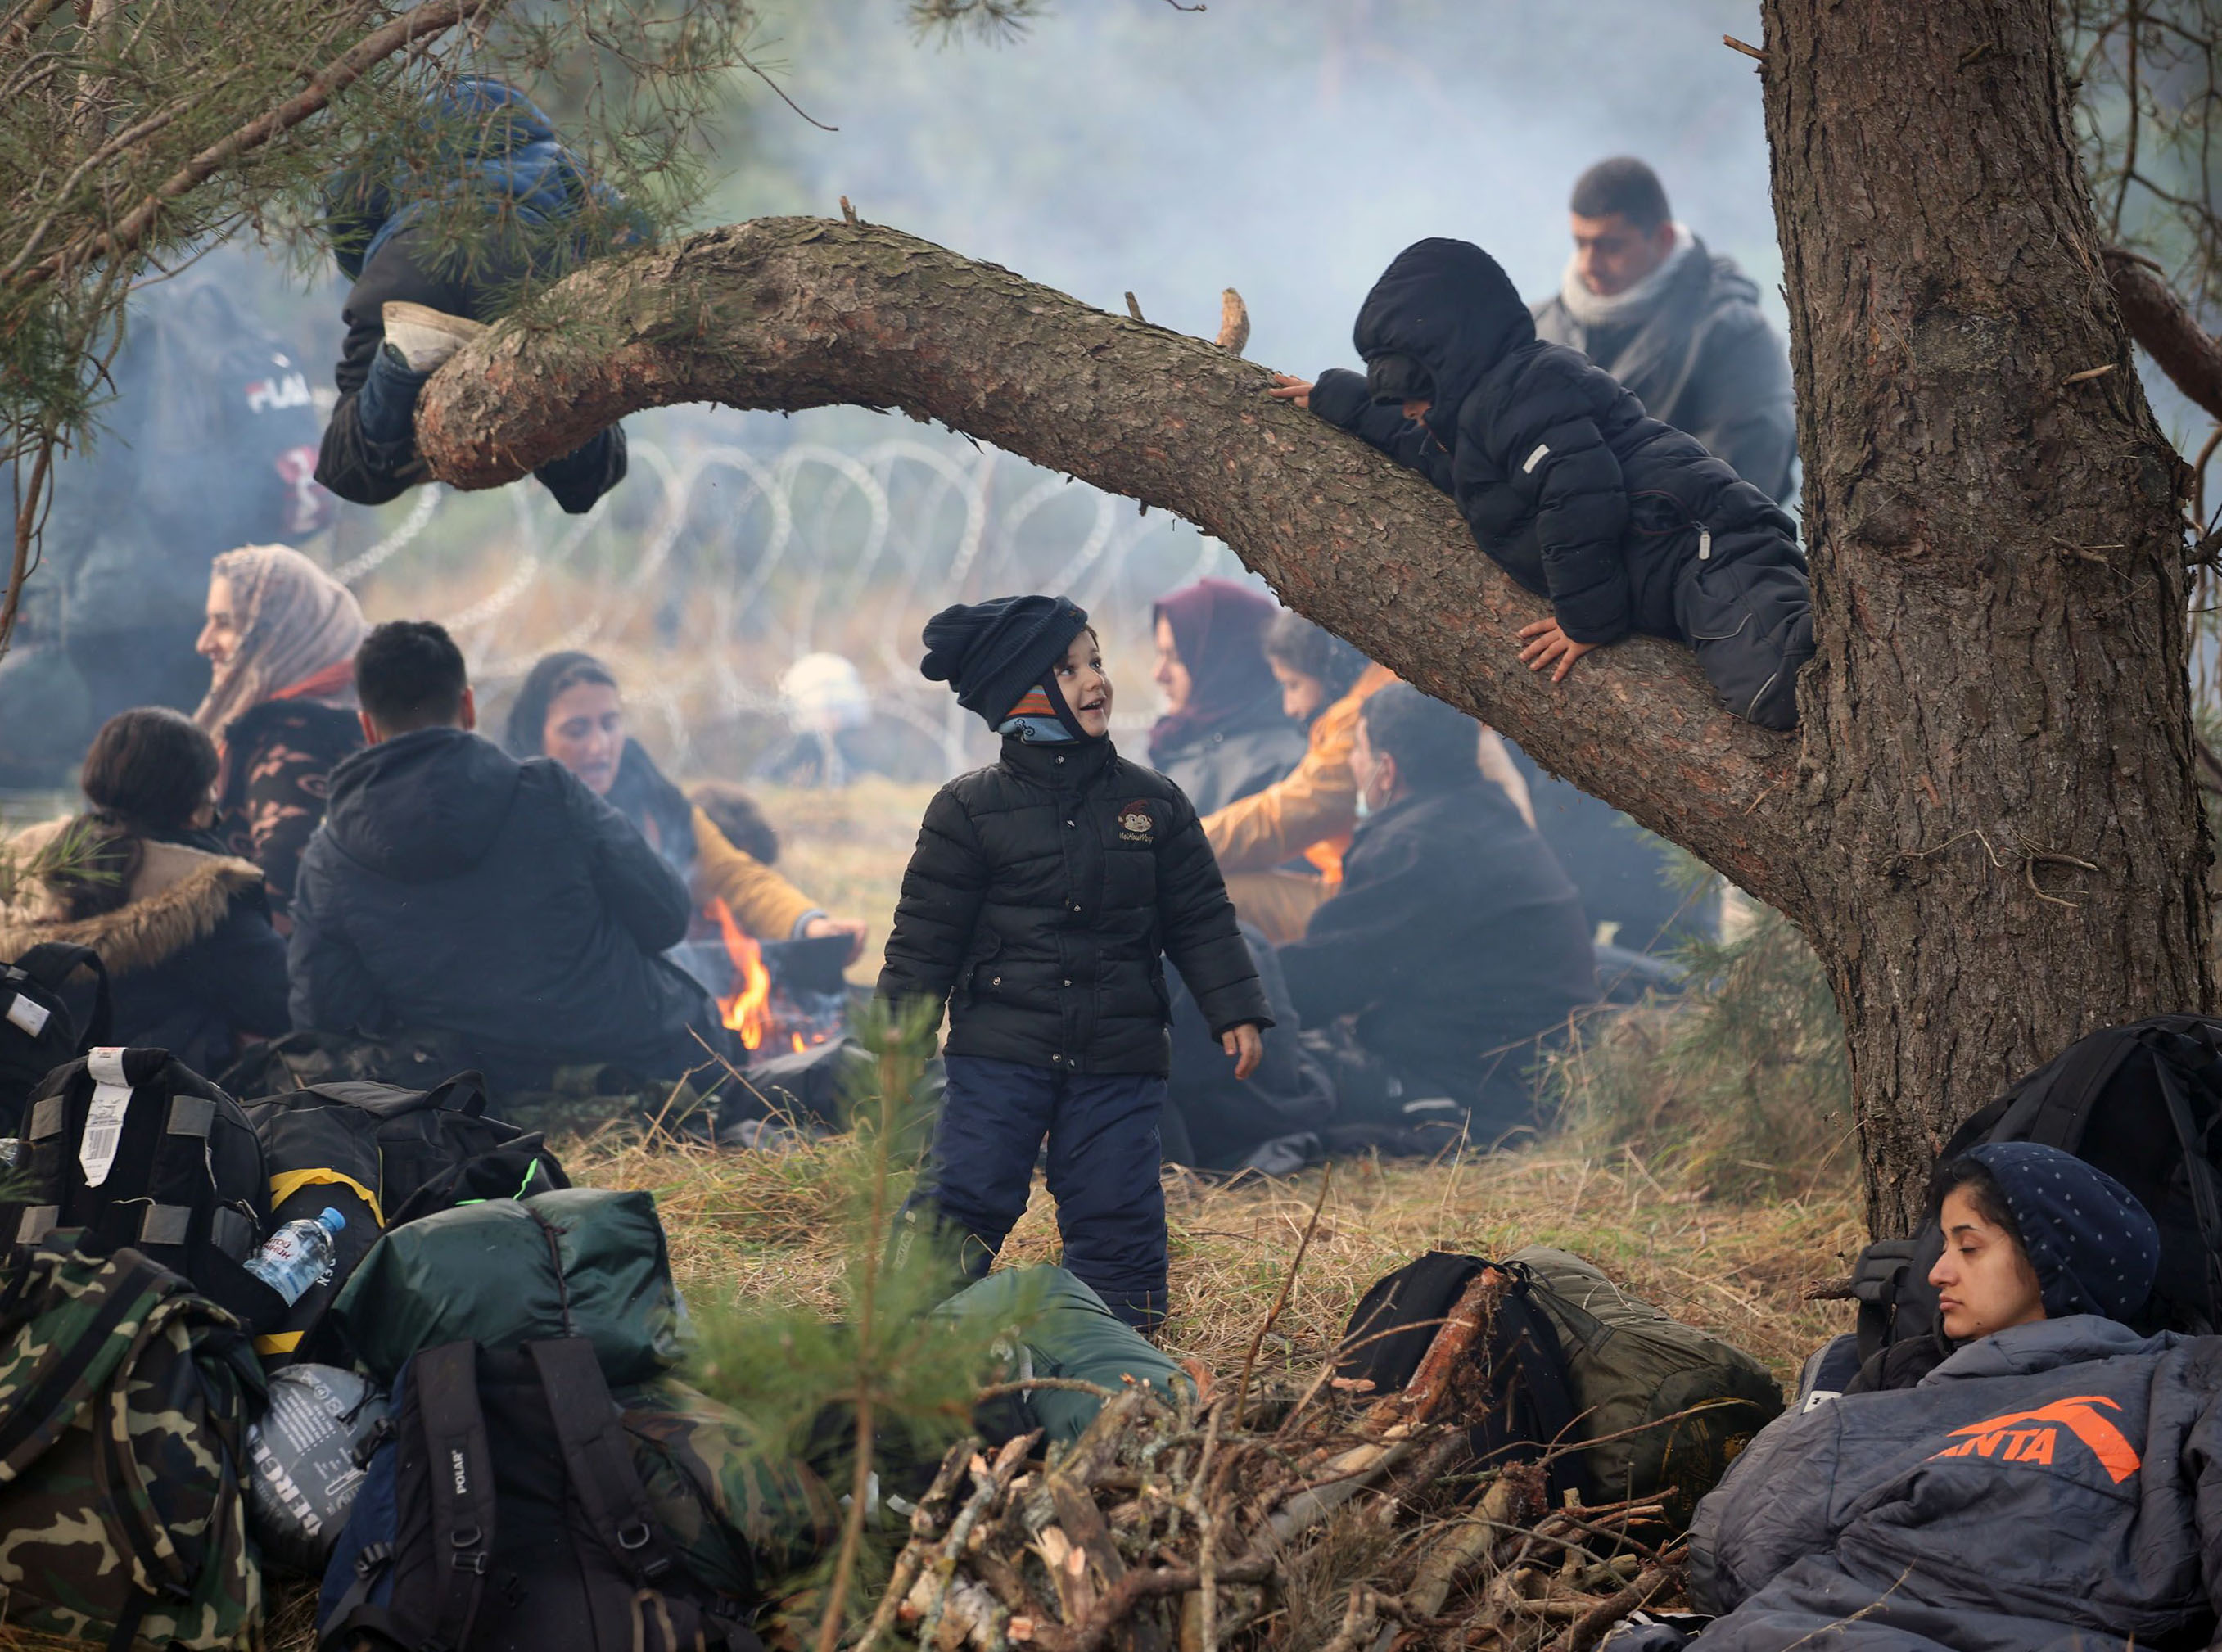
(747, 1012)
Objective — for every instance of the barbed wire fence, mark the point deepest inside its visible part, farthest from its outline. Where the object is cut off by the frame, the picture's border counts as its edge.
(717, 565)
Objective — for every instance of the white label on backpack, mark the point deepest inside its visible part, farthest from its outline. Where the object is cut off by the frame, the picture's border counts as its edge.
(1543, 449)
(103, 1119)
(27, 1013)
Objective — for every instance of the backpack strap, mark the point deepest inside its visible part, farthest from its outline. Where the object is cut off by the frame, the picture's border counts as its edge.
(1875, 1278)
(1541, 1363)
(445, 1380)
(51, 963)
(2086, 1068)
(2199, 1170)
(598, 1462)
(37, 1414)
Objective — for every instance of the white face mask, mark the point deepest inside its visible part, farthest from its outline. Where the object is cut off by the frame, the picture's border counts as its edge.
(1366, 800)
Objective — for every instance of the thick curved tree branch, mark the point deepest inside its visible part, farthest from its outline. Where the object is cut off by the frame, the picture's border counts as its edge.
(2171, 334)
(804, 312)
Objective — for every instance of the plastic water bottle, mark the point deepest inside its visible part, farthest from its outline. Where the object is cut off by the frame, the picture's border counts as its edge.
(299, 1256)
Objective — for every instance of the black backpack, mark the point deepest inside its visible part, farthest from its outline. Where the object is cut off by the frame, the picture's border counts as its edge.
(504, 1514)
(1532, 1399)
(37, 1032)
(138, 1150)
(2141, 1102)
(381, 1156)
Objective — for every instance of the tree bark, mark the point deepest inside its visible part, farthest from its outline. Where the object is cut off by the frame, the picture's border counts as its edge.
(2005, 847)
(1987, 825)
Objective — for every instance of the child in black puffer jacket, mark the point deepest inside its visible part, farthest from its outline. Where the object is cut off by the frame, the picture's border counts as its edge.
(1045, 894)
(1625, 523)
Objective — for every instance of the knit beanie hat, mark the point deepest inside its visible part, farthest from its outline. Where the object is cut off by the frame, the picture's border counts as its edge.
(2094, 1248)
(992, 652)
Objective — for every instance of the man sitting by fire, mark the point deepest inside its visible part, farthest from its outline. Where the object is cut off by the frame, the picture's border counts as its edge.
(1454, 939)
(452, 888)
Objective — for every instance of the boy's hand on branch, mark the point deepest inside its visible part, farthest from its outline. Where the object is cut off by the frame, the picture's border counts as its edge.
(1247, 1044)
(853, 928)
(1549, 643)
(1288, 387)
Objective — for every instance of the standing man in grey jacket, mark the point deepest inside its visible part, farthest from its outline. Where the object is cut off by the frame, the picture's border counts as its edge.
(1680, 329)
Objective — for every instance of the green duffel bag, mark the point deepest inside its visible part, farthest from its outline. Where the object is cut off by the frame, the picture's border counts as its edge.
(1047, 1323)
(1631, 1368)
(581, 1261)
(125, 1400)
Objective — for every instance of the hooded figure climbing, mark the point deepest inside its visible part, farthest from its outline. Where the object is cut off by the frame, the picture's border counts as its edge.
(439, 237)
(1625, 523)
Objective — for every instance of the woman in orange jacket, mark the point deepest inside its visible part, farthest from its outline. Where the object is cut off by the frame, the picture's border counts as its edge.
(1308, 816)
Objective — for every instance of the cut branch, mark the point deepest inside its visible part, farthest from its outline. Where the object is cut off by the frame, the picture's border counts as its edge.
(788, 313)
(2171, 334)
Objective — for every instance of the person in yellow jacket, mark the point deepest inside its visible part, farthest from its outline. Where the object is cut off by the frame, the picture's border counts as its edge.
(1262, 840)
(568, 708)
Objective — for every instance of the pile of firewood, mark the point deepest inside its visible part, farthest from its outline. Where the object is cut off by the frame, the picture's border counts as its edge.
(1225, 1522)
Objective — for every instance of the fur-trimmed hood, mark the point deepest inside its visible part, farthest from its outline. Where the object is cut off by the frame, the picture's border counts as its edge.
(179, 895)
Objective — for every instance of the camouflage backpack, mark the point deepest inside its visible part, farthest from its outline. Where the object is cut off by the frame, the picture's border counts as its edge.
(125, 1400)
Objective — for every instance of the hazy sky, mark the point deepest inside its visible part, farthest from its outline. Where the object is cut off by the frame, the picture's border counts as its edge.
(1288, 148)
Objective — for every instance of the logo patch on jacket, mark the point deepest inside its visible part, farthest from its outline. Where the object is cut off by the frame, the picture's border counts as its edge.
(1137, 824)
(2010, 1440)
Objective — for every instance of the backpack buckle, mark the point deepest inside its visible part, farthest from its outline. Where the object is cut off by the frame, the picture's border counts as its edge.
(469, 1556)
(375, 1557)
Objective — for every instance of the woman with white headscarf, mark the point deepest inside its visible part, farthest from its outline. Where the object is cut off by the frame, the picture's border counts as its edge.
(281, 638)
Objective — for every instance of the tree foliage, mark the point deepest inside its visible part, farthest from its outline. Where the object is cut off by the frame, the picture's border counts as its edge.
(134, 134)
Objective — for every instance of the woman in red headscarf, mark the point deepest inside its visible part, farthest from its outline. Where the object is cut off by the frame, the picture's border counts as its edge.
(1223, 735)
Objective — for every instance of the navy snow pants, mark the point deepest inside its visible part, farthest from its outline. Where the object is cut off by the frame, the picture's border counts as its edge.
(1103, 1166)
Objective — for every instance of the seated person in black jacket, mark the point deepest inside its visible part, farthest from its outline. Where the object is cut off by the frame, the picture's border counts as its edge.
(1044, 896)
(183, 928)
(426, 282)
(453, 887)
(1625, 523)
(1215, 1122)
(1455, 941)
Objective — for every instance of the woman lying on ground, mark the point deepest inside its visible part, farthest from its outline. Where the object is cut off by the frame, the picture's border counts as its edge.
(183, 928)
(280, 642)
(2057, 1481)
(1307, 816)
(568, 708)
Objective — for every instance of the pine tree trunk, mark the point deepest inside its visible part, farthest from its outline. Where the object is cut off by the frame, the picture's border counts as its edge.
(2004, 847)
(1987, 825)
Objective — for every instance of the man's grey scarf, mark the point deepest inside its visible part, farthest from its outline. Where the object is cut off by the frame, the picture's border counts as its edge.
(1633, 307)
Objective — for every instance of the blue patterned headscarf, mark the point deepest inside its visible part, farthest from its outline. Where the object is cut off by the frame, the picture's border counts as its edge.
(2095, 1249)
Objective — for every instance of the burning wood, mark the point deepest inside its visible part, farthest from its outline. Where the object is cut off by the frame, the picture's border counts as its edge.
(748, 1009)
(1364, 1527)
(779, 1000)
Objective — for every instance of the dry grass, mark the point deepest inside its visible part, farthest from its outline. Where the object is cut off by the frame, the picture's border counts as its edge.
(749, 1228)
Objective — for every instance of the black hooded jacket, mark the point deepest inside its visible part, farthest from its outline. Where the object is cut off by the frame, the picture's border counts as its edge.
(1045, 893)
(1566, 482)
(454, 887)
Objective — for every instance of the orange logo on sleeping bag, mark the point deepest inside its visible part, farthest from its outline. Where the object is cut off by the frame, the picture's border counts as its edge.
(2001, 1437)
